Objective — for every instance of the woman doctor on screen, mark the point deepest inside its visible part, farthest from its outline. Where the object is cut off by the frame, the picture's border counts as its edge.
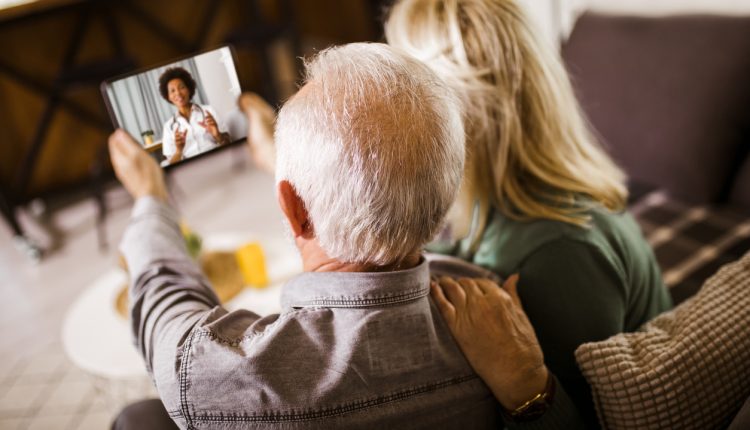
(193, 129)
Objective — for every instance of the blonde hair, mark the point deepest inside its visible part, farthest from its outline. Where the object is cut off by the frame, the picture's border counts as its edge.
(374, 146)
(530, 153)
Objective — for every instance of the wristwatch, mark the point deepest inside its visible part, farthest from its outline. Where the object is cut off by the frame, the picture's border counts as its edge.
(536, 407)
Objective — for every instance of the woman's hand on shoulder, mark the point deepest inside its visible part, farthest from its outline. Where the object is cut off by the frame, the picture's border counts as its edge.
(495, 335)
(260, 118)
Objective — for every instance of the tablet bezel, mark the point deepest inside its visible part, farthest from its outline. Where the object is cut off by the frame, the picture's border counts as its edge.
(108, 104)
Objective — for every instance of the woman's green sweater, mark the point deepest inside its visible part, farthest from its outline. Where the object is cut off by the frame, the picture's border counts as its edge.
(576, 285)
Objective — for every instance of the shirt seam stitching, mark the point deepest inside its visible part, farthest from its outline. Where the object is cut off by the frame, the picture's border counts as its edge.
(398, 298)
(330, 412)
(184, 406)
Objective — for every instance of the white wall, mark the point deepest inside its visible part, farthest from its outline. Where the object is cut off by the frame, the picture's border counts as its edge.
(219, 80)
(222, 87)
(670, 7)
(545, 14)
(556, 18)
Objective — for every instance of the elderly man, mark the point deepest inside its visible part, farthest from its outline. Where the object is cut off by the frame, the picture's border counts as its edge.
(369, 158)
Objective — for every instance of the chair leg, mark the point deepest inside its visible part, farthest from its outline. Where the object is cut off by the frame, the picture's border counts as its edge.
(98, 179)
(10, 215)
(101, 220)
(22, 242)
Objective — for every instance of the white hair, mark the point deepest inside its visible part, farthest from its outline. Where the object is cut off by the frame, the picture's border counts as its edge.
(374, 146)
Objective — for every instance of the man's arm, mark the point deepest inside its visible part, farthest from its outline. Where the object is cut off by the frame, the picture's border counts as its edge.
(169, 295)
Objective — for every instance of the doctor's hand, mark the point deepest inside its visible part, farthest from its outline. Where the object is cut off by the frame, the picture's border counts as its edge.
(179, 140)
(137, 171)
(260, 119)
(495, 335)
(209, 123)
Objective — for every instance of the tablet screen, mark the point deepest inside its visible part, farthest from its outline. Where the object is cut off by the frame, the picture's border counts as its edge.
(182, 109)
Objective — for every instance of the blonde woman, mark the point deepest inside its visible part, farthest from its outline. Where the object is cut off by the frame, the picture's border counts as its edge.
(540, 197)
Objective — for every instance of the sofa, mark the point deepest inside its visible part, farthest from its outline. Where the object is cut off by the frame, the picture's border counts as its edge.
(670, 99)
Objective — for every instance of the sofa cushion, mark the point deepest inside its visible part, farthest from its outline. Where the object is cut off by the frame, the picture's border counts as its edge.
(687, 368)
(669, 96)
(690, 242)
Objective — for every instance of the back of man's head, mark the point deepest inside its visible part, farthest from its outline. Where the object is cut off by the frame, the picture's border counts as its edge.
(374, 146)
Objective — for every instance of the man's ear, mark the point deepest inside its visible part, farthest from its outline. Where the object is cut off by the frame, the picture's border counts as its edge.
(294, 210)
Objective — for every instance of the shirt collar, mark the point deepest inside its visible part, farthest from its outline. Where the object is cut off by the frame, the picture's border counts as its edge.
(356, 289)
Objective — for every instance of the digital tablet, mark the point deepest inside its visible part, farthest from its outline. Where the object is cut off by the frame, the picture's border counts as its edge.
(180, 110)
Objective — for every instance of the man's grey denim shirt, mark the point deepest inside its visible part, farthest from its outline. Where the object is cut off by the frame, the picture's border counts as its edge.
(349, 350)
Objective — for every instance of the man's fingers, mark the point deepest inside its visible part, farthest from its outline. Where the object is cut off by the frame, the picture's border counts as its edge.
(255, 106)
(453, 291)
(115, 154)
(244, 101)
(114, 145)
(444, 306)
(123, 151)
(248, 101)
(120, 139)
(121, 144)
(511, 286)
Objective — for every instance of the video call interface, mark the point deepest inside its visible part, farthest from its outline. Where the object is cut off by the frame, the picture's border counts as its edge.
(183, 109)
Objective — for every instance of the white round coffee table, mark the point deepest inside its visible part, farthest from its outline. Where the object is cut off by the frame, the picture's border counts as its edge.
(99, 340)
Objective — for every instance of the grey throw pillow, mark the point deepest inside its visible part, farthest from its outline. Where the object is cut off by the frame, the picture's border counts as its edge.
(688, 368)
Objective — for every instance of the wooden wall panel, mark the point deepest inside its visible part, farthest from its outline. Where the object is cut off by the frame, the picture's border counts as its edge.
(36, 46)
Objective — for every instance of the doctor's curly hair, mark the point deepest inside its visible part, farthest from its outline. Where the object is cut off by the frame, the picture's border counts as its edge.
(176, 73)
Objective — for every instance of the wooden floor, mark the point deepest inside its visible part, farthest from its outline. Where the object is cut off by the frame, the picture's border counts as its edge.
(39, 387)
